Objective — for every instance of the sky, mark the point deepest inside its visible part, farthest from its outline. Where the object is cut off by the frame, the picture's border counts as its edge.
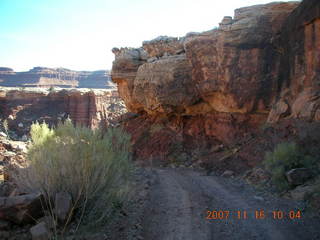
(79, 34)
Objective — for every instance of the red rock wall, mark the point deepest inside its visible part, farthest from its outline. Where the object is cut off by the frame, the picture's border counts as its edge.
(298, 76)
(84, 108)
(218, 86)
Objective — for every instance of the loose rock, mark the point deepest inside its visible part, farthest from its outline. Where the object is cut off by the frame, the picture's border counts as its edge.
(40, 232)
(300, 193)
(298, 176)
(227, 173)
(21, 209)
(63, 203)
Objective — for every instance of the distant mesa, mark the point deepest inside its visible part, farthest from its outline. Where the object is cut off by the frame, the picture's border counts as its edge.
(5, 69)
(55, 77)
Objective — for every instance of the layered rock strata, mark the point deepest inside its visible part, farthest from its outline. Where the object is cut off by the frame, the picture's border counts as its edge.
(298, 79)
(217, 86)
(88, 108)
(55, 77)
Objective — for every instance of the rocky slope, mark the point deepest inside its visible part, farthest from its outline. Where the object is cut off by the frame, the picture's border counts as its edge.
(88, 108)
(59, 77)
(211, 89)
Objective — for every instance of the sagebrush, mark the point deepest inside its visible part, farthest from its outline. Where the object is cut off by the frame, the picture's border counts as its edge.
(94, 168)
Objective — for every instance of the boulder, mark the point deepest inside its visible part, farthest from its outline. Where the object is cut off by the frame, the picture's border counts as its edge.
(165, 85)
(4, 225)
(50, 222)
(256, 176)
(315, 201)
(227, 173)
(279, 110)
(40, 232)
(21, 209)
(63, 205)
(301, 193)
(298, 176)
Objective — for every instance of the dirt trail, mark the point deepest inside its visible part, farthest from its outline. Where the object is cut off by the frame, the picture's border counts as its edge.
(180, 199)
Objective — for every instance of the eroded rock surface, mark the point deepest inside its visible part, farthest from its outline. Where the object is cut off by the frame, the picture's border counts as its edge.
(88, 108)
(299, 64)
(218, 86)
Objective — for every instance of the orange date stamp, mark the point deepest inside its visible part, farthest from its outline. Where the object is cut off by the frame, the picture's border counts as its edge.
(257, 214)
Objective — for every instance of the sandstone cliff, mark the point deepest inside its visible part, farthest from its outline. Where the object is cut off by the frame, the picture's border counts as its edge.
(298, 78)
(59, 77)
(87, 108)
(217, 86)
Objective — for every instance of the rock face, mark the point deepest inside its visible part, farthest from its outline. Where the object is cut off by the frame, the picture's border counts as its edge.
(124, 71)
(87, 108)
(162, 46)
(298, 75)
(165, 86)
(234, 71)
(55, 77)
(218, 86)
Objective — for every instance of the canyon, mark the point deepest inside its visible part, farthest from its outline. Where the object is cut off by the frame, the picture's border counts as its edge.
(202, 111)
(90, 108)
(55, 77)
(199, 94)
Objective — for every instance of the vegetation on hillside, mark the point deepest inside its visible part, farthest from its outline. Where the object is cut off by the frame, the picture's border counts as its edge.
(286, 156)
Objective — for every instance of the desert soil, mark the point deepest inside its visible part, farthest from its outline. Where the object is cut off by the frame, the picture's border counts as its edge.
(179, 200)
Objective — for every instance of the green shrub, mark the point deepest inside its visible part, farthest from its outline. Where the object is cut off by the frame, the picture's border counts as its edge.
(286, 156)
(94, 168)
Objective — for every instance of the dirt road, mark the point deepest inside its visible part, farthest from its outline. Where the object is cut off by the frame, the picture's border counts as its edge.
(180, 199)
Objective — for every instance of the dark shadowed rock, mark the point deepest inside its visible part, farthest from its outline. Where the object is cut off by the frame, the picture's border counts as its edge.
(301, 193)
(40, 232)
(298, 176)
(298, 78)
(63, 204)
(21, 209)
